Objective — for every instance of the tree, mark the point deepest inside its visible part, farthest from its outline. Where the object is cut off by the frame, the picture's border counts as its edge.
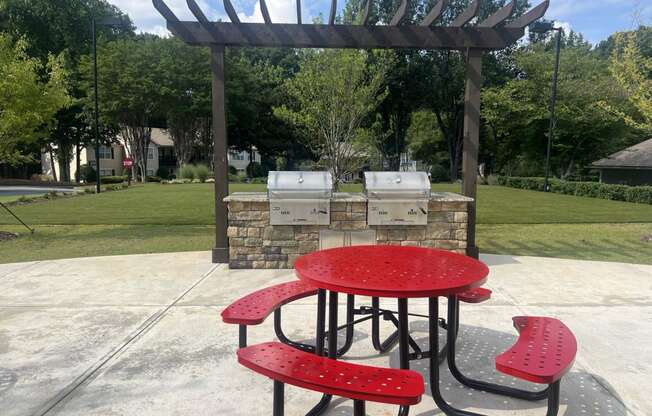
(587, 124)
(633, 72)
(63, 28)
(333, 92)
(131, 95)
(31, 93)
(186, 92)
(427, 144)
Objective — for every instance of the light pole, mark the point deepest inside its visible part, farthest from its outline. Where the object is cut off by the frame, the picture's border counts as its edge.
(544, 27)
(108, 21)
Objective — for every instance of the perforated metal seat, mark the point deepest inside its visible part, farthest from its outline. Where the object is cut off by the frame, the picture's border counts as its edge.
(254, 308)
(477, 295)
(544, 353)
(285, 364)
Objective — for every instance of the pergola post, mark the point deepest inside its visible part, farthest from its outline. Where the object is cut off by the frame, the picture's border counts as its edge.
(220, 158)
(471, 143)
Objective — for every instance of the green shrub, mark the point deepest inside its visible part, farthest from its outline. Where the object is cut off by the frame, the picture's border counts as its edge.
(233, 170)
(186, 172)
(235, 178)
(256, 170)
(439, 173)
(110, 188)
(637, 194)
(258, 180)
(113, 179)
(163, 173)
(88, 174)
(202, 172)
(153, 178)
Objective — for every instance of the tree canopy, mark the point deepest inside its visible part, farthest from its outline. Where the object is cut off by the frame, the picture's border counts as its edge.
(31, 93)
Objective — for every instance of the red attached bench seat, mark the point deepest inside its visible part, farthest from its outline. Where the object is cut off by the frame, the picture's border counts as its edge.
(361, 383)
(544, 353)
(254, 308)
(477, 295)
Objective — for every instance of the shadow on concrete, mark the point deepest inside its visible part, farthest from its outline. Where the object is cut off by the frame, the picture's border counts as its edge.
(581, 393)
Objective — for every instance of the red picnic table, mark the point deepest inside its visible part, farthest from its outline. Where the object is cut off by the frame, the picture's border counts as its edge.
(401, 272)
(543, 353)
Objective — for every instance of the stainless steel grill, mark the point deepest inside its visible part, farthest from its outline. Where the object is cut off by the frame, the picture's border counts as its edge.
(299, 197)
(397, 198)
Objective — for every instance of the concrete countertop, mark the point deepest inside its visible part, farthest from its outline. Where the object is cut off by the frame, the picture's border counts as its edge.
(343, 197)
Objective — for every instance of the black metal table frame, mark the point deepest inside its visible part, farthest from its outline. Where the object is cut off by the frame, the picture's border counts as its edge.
(404, 343)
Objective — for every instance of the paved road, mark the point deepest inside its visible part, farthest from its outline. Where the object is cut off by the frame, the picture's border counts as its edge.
(31, 190)
(141, 335)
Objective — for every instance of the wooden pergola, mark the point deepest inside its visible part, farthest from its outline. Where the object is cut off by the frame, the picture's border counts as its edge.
(495, 32)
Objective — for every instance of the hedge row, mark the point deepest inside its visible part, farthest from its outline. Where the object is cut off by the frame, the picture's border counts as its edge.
(638, 194)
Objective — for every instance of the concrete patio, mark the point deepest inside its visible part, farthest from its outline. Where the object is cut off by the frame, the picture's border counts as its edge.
(141, 335)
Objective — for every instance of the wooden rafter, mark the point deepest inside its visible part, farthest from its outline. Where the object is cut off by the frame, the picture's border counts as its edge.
(492, 33)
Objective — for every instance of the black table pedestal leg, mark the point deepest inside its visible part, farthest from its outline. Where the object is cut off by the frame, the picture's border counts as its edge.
(359, 408)
(433, 339)
(321, 407)
(553, 399)
(453, 327)
(279, 398)
(403, 343)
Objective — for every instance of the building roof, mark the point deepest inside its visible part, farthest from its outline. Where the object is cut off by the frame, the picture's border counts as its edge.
(161, 137)
(638, 156)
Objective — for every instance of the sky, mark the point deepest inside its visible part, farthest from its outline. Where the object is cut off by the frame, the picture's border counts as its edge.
(595, 19)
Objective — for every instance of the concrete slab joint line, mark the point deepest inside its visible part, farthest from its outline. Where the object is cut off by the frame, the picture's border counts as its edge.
(93, 371)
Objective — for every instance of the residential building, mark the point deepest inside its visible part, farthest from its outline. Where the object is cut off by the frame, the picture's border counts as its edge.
(111, 157)
(160, 155)
(632, 166)
(240, 159)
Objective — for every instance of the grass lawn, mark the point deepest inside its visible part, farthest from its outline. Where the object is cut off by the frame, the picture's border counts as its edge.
(168, 218)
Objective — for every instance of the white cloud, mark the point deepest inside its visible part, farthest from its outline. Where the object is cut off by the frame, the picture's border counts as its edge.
(564, 9)
(147, 18)
(566, 26)
(280, 11)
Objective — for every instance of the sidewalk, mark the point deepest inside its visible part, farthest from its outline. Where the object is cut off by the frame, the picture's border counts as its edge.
(141, 335)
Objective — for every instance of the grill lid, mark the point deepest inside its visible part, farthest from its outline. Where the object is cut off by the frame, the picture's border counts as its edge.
(397, 185)
(299, 185)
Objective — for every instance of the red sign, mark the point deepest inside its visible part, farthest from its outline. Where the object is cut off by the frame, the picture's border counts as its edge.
(127, 163)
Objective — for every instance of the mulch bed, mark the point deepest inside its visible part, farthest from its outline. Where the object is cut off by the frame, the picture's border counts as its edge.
(6, 236)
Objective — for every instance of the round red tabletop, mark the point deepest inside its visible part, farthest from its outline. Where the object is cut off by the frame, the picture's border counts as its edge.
(391, 271)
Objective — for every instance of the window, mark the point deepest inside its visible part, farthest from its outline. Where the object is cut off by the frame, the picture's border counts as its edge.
(150, 172)
(106, 152)
(150, 153)
(106, 172)
(237, 155)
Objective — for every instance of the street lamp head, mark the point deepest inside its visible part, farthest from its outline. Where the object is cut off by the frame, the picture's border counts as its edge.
(541, 27)
(110, 21)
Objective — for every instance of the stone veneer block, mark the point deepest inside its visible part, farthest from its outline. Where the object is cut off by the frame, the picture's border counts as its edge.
(254, 244)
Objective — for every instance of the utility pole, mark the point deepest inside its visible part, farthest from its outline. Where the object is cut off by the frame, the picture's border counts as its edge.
(96, 127)
(544, 27)
(553, 101)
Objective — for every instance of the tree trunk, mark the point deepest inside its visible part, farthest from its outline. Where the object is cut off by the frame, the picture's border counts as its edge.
(52, 163)
(77, 163)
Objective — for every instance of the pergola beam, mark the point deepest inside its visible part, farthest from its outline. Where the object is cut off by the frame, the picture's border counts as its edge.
(500, 16)
(400, 13)
(346, 36)
(467, 15)
(434, 13)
